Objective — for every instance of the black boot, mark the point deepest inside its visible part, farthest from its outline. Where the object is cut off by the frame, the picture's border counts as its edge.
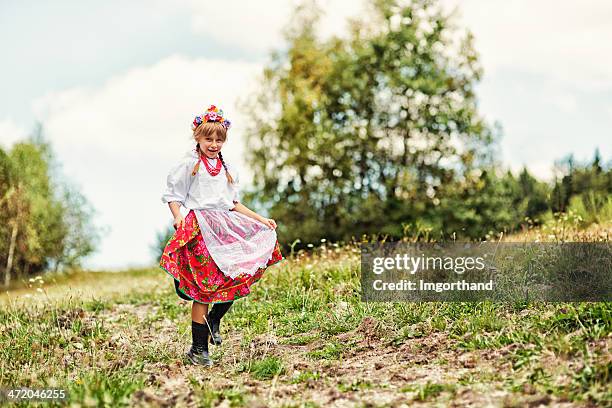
(198, 353)
(214, 317)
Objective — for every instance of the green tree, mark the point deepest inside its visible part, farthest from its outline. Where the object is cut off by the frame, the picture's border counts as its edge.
(591, 181)
(533, 195)
(43, 223)
(481, 206)
(362, 134)
(79, 235)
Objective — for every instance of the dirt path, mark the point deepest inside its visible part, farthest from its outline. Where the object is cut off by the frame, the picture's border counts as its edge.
(134, 331)
(369, 371)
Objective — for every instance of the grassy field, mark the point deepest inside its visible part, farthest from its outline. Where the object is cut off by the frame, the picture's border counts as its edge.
(304, 339)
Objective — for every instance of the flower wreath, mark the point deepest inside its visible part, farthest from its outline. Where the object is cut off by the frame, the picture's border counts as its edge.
(212, 114)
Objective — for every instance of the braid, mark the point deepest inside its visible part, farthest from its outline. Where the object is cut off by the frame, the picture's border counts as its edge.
(197, 166)
(229, 177)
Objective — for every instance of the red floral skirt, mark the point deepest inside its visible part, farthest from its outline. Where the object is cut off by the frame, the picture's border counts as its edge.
(196, 274)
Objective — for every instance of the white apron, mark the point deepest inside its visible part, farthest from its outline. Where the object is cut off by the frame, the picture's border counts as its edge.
(237, 243)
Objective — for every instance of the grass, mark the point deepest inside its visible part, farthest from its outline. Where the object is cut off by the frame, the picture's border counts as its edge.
(354, 385)
(209, 398)
(264, 369)
(331, 351)
(300, 338)
(306, 376)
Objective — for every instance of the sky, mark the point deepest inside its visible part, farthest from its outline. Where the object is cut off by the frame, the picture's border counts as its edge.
(116, 85)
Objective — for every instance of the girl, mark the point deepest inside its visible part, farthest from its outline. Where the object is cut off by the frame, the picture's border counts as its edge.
(221, 247)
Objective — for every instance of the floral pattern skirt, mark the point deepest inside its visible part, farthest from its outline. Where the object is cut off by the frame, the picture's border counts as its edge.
(196, 275)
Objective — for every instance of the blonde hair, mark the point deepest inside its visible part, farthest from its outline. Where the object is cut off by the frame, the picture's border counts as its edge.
(208, 129)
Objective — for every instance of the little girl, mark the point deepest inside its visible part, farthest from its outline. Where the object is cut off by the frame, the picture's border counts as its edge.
(221, 247)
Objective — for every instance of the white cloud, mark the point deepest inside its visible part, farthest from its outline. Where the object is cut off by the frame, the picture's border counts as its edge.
(565, 41)
(257, 26)
(564, 101)
(146, 108)
(117, 141)
(10, 132)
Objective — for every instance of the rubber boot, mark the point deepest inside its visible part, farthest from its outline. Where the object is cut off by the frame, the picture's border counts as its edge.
(214, 317)
(198, 353)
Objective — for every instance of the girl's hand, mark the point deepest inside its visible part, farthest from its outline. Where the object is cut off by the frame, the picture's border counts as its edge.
(269, 222)
(179, 222)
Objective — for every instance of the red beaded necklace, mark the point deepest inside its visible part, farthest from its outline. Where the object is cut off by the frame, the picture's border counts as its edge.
(213, 171)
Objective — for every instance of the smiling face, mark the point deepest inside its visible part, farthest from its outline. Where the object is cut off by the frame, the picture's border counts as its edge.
(210, 145)
(210, 136)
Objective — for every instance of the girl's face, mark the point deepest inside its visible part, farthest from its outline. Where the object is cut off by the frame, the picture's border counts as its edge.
(210, 145)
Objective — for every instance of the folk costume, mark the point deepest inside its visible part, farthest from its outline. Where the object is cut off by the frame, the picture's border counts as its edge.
(219, 253)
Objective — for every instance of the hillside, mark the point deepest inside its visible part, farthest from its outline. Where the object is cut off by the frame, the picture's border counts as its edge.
(304, 338)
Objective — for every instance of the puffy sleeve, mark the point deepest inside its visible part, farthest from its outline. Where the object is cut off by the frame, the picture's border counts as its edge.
(178, 181)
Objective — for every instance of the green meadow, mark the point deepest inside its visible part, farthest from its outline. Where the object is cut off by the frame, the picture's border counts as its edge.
(303, 338)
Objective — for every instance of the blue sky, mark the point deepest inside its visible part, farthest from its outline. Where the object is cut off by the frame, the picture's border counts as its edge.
(116, 85)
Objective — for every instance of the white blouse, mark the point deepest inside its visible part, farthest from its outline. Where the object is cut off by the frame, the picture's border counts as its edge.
(201, 191)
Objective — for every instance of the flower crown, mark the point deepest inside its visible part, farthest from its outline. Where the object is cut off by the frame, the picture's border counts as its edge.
(212, 114)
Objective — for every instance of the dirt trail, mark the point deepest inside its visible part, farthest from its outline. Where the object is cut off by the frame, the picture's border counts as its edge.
(363, 367)
(426, 371)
